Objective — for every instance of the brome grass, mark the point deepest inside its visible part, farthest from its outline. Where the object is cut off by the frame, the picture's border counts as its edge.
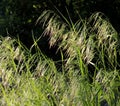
(28, 79)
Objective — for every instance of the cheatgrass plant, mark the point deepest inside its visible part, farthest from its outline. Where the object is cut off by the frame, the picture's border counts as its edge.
(28, 79)
(92, 42)
(19, 70)
(95, 40)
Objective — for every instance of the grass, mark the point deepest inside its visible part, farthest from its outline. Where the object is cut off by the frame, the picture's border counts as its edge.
(33, 79)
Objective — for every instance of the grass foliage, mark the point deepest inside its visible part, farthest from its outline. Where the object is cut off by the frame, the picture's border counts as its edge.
(28, 79)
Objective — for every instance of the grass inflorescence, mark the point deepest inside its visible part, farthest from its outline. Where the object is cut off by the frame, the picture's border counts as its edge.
(91, 52)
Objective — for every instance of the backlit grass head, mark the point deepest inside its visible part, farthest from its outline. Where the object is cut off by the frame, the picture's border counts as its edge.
(94, 38)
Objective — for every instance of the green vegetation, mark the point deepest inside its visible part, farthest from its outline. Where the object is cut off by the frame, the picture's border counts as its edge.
(29, 79)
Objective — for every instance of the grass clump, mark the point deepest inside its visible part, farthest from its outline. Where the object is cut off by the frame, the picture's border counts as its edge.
(93, 38)
(34, 80)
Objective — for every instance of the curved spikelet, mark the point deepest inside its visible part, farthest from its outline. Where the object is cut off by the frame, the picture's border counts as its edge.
(94, 38)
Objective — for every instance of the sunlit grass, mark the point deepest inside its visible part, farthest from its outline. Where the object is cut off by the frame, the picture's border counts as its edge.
(28, 79)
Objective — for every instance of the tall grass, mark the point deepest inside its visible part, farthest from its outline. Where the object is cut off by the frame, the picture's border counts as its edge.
(33, 80)
(95, 38)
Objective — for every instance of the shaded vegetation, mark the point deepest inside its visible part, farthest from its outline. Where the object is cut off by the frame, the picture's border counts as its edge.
(20, 16)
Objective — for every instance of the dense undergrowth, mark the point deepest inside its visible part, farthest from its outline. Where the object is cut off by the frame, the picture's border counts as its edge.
(34, 80)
